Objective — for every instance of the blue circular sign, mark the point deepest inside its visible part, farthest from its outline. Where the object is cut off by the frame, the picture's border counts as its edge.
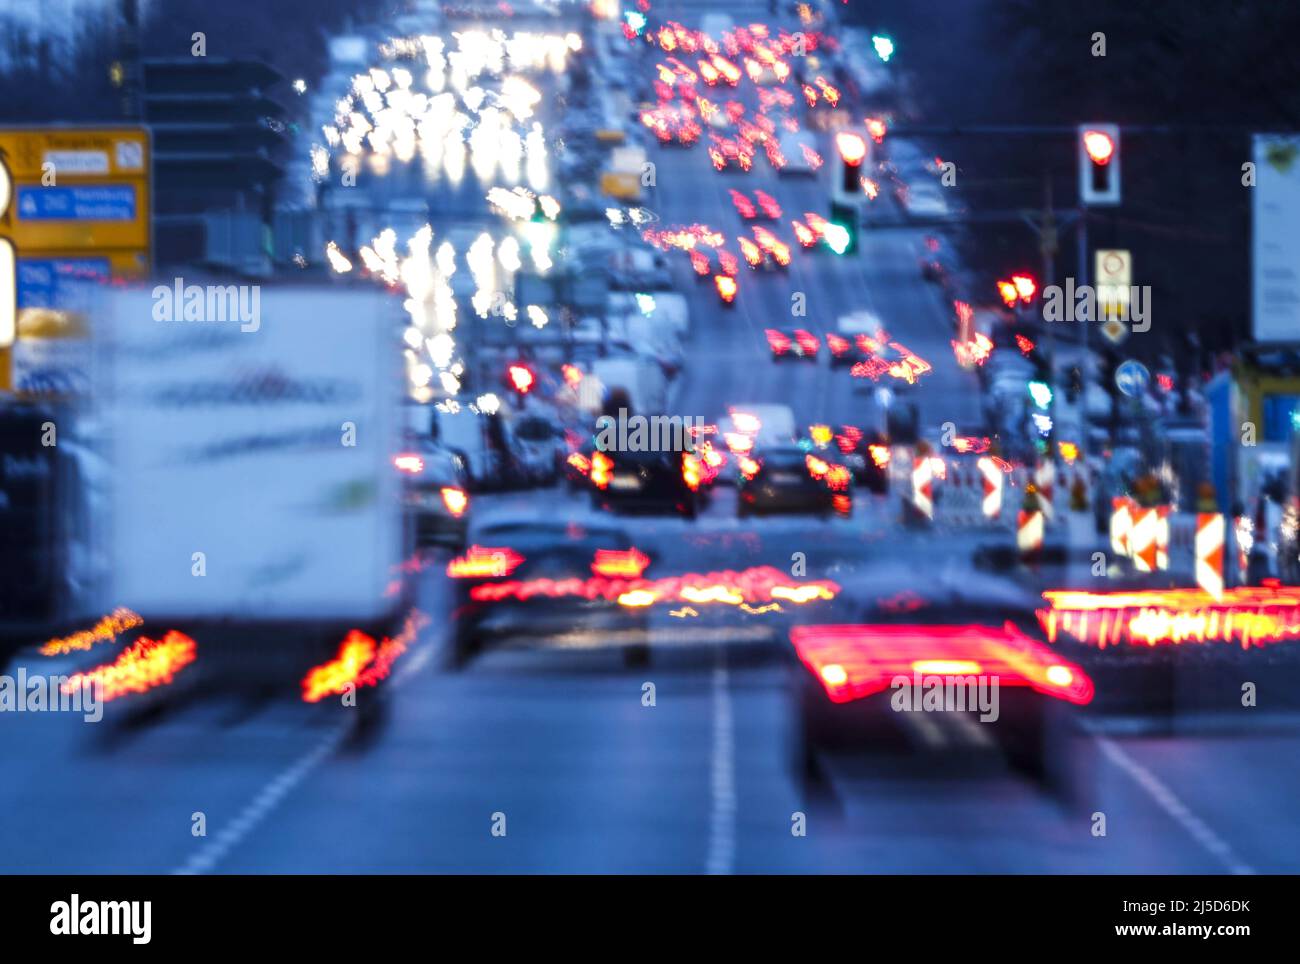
(1132, 378)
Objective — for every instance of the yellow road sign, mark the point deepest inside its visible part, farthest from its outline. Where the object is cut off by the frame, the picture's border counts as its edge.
(74, 203)
(76, 189)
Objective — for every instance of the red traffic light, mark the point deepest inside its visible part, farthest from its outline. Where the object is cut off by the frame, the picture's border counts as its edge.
(521, 378)
(851, 147)
(1099, 146)
(1021, 287)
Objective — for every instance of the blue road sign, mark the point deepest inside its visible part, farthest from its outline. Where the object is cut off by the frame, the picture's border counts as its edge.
(43, 282)
(111, 202)
(1132, 378)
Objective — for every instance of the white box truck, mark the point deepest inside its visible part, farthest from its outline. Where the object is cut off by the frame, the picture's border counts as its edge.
(254, 501)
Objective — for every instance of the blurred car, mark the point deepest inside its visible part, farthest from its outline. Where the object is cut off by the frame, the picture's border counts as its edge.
(791, 479)
(792, 343)
(436, 494)
(857, 686)
(480, 440)
(537, 448)
(776, 253)
(924, 199)
(530, 583)
(647, 481)
(867, 456)
(843, 351)
(747, 425)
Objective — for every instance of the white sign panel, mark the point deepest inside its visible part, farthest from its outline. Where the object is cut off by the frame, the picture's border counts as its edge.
(1275, 240)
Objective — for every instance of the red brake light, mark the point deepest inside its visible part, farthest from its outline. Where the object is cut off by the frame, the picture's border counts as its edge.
(409, 462)
(479, 561)
(777, 341)
(726, 286)
(691, 472)
(602, 468)
(618, 563)
(809, 344)
(455, 500)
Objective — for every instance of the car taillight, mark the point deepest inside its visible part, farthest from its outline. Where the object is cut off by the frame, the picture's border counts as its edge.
(817, 468)
(849, 438)
(602, 468)
(409, 463)
(879, 455)
(618, 563)
(727, 260)
(809, 344)
(748, 467)
(768, 204)
(580, 462)
(455, 500)
(691, 471)
(480, 561)
(753, 256)
(738, 442)
(700, 262)
(820, 434)
(837, 345)
(804, 234)
(777, 341)
(726, 286)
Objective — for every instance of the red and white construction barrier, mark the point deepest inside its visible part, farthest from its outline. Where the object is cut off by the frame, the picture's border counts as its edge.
(1045, 483)
(1029, 531)
(991, 474)
(1121, 524)
(1143, 538)
(1210, 535)
(923, 485)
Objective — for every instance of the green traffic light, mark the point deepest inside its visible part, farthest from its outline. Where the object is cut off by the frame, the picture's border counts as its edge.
(837, 238)
(1041, 393)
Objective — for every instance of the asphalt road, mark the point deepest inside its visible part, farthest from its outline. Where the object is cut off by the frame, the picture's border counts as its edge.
(587, 777)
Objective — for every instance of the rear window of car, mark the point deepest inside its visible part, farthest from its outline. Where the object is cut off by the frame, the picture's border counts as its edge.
(535, 430)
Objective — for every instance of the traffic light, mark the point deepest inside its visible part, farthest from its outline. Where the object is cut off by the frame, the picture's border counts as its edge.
(852, 149)
(1099, 184)
(841, 234)
(1020, 287)
(520, 378)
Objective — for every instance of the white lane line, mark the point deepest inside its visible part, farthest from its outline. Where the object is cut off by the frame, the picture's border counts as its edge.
(722, 778)
(206, 858)
(971, 729)
(267, 799)
(1169, 802)
(930, 732)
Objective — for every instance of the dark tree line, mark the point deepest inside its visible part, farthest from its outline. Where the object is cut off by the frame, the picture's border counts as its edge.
(65, 73)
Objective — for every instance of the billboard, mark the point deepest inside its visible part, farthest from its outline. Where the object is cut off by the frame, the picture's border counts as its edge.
(1275, 243)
